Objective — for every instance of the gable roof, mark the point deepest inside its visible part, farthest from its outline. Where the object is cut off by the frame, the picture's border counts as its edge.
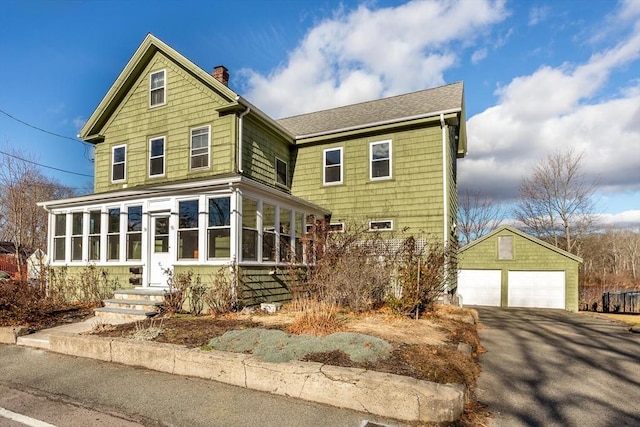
(425, 103)
(525, 236)
(144, 54)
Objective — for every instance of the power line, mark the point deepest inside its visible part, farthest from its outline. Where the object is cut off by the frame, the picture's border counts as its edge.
(45, 166)
(43, 130)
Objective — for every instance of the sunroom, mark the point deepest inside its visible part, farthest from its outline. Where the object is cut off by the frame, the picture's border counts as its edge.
(201, 226)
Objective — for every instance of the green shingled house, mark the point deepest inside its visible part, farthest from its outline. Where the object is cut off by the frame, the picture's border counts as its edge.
(190, 175)
(509, 268)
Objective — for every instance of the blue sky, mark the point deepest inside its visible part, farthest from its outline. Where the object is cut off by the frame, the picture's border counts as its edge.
(539, 76)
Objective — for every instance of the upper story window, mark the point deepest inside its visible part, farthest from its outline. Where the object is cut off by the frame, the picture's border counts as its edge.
(156, 156)
(281, 172)
(157, 88)
(505, 247)
(200, 147)
(118, 163)
(380, 155)
(332, 170)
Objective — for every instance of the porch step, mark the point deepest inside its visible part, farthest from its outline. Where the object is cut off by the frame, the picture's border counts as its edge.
(123, 313)
(135, 304)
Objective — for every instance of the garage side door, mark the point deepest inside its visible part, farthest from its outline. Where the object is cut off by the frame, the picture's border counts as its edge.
(480, 287)
(542, 289)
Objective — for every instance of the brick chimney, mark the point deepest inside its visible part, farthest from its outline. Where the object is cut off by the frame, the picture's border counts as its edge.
(221, 74)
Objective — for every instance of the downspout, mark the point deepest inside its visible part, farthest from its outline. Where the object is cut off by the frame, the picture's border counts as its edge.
(244, 113)
(445, 203)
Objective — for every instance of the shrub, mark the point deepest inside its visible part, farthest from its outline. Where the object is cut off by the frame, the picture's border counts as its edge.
(91, 285)
(314, 318)
(219, 295)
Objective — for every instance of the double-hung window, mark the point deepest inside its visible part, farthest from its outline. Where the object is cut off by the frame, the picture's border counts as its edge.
(113, 235)
(200, 147)
(134, 233)
(188, 229)
(332, 170)
(281, 172)
(157, 88)
(380, 154)
(76, 236)
(118, 163)
(59, 238)
(156, 156)
(94, 235)
(219, 228)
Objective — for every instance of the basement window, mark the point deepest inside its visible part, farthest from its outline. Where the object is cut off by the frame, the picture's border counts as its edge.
(385, 225)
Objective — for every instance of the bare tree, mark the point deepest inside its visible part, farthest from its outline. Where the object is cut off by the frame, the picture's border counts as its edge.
(556, 201)
(22, 186)
(477, 215)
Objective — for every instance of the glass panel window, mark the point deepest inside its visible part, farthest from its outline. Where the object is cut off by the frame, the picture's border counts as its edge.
(249, 230)
(188, 229)
(113, 234)
(156, 156)
(380, 159)
(285, 235)
(281, 172)
(268, 232)
(161, 234)
(300, 229)
(157, 88)
(332, 166)
(505, 247)
(200, 148)
(76, 236)
(94, 235)
(336, 227)
(59, 237)
(219, 228)
(385, 225)
(134, 233)
(118, 163)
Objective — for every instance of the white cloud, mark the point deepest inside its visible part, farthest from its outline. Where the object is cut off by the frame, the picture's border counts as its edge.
(557, 108)
(478, 55)
(538, 14)
(366, 54)
(625, 219)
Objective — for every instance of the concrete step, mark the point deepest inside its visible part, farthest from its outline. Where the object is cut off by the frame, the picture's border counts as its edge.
(36, 340)
(141, 294)
(133, 304)
(123, 313)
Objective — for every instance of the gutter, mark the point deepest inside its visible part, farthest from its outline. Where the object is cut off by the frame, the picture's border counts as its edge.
(244, 113)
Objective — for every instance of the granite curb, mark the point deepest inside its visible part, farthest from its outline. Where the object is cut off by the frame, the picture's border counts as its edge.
(382, 394)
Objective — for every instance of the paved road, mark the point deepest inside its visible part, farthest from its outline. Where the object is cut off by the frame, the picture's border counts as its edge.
(554, 368)
(49, 386)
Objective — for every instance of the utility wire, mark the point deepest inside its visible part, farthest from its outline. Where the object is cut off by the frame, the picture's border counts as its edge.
(44, 166)
(43, 130)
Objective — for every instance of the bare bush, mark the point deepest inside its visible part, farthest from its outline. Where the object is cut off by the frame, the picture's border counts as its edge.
(315, 318)
(179, 285)
(92, 285)
(219, 295)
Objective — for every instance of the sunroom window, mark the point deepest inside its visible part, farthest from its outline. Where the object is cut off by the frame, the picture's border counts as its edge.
(268, 232)
(59, 237)
(188, 229)
(219, 228)
(76, 236)
(249, 230)
(285, 235)
(94, 235)
(157, 88)
(113, 234)
(134, 233)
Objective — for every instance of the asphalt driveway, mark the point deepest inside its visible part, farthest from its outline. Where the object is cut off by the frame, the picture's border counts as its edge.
(554, 368)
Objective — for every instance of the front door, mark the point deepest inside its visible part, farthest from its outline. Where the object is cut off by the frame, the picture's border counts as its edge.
(159, 255)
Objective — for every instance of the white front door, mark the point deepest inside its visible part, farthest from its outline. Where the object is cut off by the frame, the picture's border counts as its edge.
(159, 253)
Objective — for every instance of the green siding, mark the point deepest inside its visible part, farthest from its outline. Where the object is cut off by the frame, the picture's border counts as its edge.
(528, 256)
(259, 286)
(189, 104)
(412, 198)
(259, 150)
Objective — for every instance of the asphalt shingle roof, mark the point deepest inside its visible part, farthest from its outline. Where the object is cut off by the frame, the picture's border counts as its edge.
(382, 110)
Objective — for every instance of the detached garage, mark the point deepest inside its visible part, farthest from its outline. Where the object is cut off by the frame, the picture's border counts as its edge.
(509, 268)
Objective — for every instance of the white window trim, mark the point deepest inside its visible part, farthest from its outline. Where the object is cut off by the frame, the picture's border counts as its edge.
(341, 224)
(208, 128)
(164, 88)
(379, 178)
(113, 153)
(164, 156)
(390, 221)
(286, 177)
(324, 166)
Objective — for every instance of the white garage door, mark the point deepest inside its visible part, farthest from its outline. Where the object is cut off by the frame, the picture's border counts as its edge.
(480, 287)
(543, 289)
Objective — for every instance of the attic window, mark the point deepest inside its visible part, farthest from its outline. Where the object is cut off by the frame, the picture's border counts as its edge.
(157, 88)
(505, 247)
